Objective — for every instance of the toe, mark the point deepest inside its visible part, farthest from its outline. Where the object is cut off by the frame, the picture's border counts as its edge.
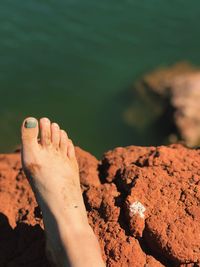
(45, 131)
(70, 150)
(63, 141)
(55, 135)
(29, 131)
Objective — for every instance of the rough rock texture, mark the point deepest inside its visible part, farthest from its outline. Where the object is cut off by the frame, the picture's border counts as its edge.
(143, 204)
(179, 85)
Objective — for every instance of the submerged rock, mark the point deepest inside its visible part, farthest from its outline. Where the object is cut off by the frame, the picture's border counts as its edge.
(142, 202)
(171, 96)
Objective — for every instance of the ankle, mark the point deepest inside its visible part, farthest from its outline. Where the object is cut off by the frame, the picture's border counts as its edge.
(85, 242)
(82, 249)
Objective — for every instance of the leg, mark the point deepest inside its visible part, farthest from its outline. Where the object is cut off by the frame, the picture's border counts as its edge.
(52, 170)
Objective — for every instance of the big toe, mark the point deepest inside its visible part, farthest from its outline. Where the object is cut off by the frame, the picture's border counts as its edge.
(29, 131)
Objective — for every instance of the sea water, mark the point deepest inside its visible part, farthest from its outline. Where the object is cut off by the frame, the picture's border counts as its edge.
(72, 61)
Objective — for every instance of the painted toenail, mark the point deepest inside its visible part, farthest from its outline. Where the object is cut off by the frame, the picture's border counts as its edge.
(30, 123)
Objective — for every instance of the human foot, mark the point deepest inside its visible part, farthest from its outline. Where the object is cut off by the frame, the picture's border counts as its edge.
(52, 170)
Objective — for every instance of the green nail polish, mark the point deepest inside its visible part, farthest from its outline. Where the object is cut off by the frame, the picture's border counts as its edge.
(30, 124)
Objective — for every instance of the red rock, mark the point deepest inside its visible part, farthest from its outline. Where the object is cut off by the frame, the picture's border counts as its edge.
(143, 204)
(177, 88)
(88, 166)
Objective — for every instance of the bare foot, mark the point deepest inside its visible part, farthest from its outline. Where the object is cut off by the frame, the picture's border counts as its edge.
(53, 173)
(51, 167)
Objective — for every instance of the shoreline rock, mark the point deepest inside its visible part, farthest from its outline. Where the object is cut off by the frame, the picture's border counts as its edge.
(171, 96)
(142, 202)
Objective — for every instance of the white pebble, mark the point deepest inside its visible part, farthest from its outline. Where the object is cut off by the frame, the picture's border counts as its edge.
(137, 208)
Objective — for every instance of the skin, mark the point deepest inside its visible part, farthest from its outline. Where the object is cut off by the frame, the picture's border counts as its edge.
(52, 170)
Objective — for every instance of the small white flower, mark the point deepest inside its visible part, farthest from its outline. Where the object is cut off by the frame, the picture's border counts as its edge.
(137, 208)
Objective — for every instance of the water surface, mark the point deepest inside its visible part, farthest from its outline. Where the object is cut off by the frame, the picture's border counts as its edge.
(71, 60)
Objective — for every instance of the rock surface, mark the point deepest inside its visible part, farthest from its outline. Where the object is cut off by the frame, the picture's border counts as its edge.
(179, 86)
(143, 204)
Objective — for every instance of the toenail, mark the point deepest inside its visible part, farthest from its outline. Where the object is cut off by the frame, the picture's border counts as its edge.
(45, 120)
(55, 125)
(30, 123)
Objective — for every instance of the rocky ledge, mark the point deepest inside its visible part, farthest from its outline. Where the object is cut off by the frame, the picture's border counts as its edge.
(142, 202)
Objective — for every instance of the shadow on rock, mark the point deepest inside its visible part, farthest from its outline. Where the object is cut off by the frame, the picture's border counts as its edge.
(22, 246)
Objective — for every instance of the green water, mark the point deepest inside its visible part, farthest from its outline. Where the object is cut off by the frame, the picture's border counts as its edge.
(72, 60)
